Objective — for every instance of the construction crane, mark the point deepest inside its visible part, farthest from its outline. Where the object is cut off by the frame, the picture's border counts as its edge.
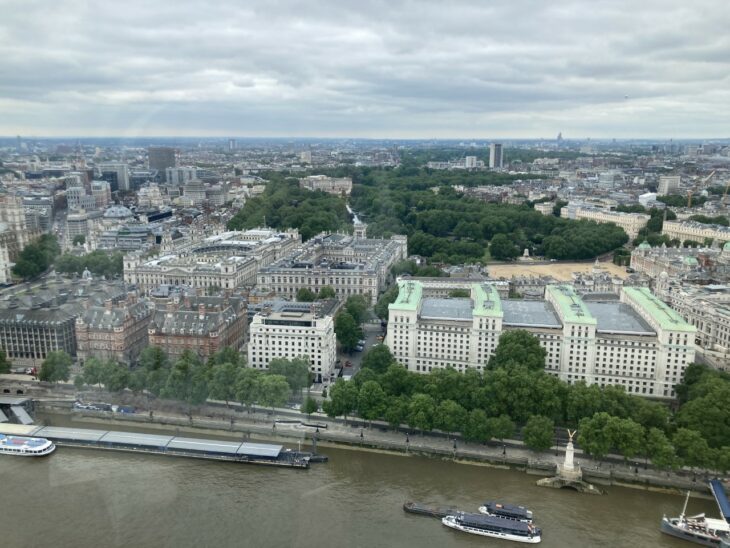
(703, 183)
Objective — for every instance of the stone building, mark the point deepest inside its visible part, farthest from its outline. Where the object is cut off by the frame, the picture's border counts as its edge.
(630, 222)
(225, 261)
(116, 331)
(638, 343)
(283, 329)
(331, 185)
(36, 320)
(349, 265)
(679, 262)
(203, 325)
(696, 232)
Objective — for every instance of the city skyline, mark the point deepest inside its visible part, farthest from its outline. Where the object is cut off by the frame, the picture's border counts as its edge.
(401, 71)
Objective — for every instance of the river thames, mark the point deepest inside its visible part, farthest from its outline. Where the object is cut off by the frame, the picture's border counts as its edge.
(79, 498)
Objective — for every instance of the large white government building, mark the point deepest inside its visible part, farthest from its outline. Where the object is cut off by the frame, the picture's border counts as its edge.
(224, 261)
(696, 232)
(350, 265)
(291, 330)
(632, 223)
(637, 342)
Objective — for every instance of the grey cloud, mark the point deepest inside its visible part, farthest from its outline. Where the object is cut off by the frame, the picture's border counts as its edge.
(411, 69)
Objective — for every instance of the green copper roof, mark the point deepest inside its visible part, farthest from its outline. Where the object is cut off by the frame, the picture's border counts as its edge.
(572, 308)
(486, 301)
(409, 295)
(726, 247)
(666, 317)
(644, 245)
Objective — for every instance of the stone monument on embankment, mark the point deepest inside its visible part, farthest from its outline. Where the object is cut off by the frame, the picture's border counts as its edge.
(569, 475)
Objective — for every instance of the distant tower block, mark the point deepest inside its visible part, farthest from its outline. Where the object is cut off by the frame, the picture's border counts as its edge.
(495, 156)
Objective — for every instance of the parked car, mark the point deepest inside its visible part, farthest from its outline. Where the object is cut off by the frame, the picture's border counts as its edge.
(348, 363)
(361, 342)
(359, 348)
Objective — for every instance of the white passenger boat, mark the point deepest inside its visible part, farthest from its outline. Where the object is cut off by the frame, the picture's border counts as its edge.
(22, 446)
(494, 526)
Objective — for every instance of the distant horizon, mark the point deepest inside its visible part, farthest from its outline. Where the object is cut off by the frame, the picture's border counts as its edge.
(516, 69)
(223, 137)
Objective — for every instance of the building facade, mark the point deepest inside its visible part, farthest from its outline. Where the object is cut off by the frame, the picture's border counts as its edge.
(113, 331)
(349, 265)
(36, 320)
(332, 185)
(225, 261)
(696, 232)
(631, 223)
(707, 307)
(638, 342)
(292, 330)
(202, 325)
(668, 184)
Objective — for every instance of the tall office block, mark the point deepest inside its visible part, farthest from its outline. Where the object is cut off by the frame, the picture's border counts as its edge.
(495, 156)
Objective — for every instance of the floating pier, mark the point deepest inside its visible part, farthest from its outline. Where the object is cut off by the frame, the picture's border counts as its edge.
(176, 446)
(430, 511)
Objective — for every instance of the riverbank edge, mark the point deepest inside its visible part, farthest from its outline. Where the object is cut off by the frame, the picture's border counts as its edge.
(615, 478)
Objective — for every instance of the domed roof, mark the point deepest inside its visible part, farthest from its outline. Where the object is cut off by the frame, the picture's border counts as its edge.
(644, 245)
(726, 247)
(117, 212)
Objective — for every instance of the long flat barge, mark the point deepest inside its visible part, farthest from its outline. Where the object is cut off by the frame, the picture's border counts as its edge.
(430, 511)
(176, 446)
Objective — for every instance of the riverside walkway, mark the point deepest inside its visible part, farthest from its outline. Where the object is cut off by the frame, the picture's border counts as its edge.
(287, 426)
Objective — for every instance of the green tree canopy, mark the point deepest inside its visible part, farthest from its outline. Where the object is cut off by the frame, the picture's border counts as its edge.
(247, 386)
(518, 347)
(56, 367)
(450, 416)
(222, 383)
(310, 406)
(295, 371)
(378, 358)
(691, 447)
(343, 399)
(305, 295)
(327, 292)
(347, 331)
(36, 257)
(371, 401)
(421, 412)
(477, 427)
(396, 410)
(539, 433)
(273, 390)
(501, 427)
(503, 249)
(659, 449)
(357, 307)
(390, 296)
(594, 436)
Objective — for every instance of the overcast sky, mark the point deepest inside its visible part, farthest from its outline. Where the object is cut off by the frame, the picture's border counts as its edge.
(444, 69)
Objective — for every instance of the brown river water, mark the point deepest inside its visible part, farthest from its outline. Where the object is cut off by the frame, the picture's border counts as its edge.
(79, 498)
